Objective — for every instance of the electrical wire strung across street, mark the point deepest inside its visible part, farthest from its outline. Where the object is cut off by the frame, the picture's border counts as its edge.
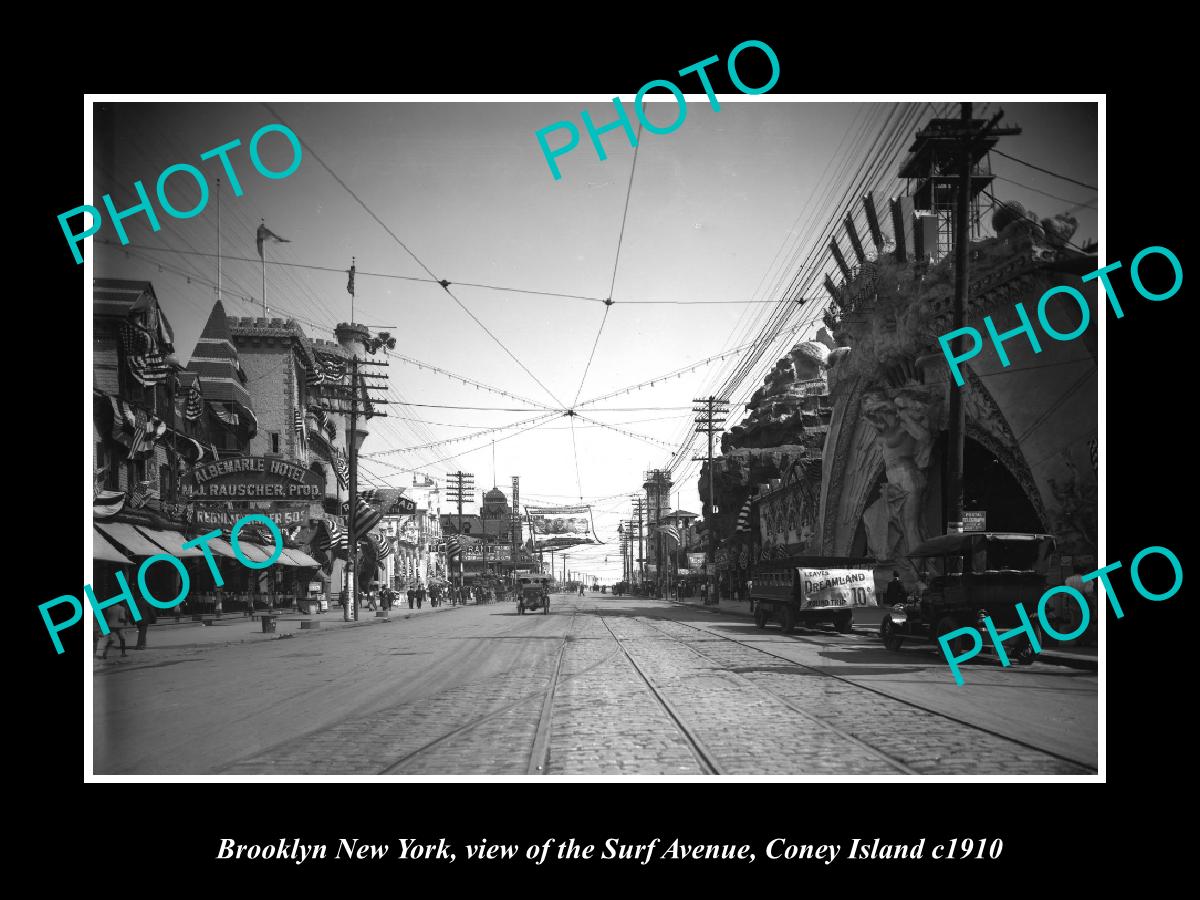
(640, 437)
(463, 378)
(466, 437)
(445, 284)
(616, 263)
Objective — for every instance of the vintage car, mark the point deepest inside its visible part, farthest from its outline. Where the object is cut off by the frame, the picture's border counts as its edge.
(965, 577)
(806, 590)
(534, 593)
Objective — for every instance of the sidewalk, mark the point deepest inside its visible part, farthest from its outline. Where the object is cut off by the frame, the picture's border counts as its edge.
(866, 622)
(235, 629)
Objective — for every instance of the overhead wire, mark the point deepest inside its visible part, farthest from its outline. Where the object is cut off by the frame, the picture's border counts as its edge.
(444, 284)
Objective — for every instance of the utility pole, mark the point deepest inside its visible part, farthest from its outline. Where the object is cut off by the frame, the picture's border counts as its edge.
(357, 401)
(516, 519)
(971, 140)
(460, 489)
(639, 507)
(709, 420)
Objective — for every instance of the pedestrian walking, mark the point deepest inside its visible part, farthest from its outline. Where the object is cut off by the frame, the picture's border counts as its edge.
(149, 616)
(412, 597)
(420, 595)
(895, 591)
(115, 617)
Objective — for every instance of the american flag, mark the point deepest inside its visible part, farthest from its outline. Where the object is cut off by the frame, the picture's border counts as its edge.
(140, 493)
(341, 468)
(149, 369)
(452, 546)
(670, 531)
(229, 418)
(334, 536)
(366, 516)
(316, 376)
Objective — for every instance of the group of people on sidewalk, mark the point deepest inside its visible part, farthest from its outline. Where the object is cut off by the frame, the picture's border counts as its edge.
(117, 619)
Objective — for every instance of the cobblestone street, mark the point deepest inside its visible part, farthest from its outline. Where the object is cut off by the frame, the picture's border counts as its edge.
(602, 686)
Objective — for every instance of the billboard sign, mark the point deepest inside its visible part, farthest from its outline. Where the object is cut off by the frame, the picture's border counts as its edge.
(560, 526)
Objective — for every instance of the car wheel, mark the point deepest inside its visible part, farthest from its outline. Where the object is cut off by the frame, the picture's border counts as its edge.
(945, 625)
(887, 631)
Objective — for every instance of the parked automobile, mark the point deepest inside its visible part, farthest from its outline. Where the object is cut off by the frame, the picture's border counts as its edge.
(965, 577)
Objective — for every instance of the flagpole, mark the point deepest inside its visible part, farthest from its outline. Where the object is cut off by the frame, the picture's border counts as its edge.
(219, 295)
(264, 277)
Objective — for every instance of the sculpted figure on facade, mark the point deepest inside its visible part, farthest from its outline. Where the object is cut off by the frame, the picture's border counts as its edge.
(906, 420)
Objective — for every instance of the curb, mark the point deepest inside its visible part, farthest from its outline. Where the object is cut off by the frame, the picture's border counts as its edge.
(278, 637)
(1067, 660)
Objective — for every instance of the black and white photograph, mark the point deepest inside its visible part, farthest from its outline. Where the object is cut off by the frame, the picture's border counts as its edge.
(682, 436)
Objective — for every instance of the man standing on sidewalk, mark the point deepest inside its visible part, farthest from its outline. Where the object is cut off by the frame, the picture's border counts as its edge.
(412, 596)
(148, 617)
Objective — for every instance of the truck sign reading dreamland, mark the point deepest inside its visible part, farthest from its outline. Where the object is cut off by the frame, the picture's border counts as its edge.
(836, 587)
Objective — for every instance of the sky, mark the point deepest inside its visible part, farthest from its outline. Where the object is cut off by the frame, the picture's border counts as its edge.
(465, 187)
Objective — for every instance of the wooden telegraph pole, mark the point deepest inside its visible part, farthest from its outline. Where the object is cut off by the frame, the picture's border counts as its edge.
(709, 421)
(968, 138)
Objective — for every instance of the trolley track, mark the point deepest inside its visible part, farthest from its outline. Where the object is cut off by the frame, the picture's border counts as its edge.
(854, 684)
(539, 751)
(705, 756)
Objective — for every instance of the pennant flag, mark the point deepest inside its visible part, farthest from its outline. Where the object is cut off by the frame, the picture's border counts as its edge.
(193, 407)
(266, 234)
(743, 519)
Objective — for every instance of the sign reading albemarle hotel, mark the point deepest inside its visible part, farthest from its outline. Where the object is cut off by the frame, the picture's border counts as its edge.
(287, 487)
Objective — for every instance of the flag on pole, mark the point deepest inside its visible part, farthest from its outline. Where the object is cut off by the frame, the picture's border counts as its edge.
(350, 283)
(266, 234)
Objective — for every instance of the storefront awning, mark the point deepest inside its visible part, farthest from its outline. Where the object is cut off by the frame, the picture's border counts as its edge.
(129, 539)
(173, 541)
(103, 549)
(297, 558)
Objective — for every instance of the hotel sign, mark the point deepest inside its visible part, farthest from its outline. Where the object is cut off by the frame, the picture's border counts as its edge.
(227, 518)
(252, 478)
